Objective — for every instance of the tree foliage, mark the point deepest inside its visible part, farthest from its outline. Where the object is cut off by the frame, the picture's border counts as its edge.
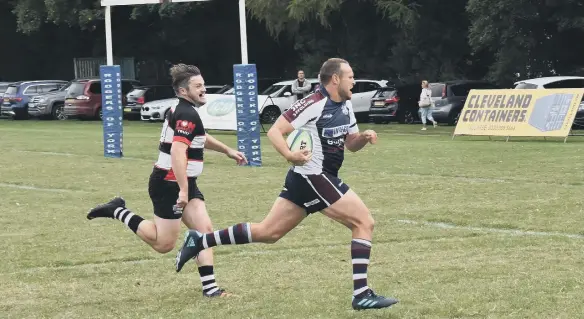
(528, 38)
(401, 40)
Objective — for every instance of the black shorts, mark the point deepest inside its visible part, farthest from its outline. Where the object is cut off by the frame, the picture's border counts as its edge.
(164, 194)
(313, 192)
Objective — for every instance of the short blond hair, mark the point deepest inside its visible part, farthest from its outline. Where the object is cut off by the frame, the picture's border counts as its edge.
(329, 68)
(425, 83)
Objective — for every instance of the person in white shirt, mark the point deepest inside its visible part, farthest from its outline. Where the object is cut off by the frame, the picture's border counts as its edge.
(426, 105)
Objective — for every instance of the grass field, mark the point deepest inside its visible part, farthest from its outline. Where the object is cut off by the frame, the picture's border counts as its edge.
(465, 228)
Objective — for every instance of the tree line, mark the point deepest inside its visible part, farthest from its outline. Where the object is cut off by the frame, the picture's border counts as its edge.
(400, 40)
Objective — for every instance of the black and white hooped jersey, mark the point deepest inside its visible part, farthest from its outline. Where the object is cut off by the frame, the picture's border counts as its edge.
(329, 122)
(182, 124)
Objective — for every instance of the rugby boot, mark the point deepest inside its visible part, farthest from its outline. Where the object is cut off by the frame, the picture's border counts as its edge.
(218, 293)
(189, 250)
(108, 209)
(370, 300)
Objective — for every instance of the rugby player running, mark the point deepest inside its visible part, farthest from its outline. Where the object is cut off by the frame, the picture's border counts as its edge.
(312, 183)
(173, 181)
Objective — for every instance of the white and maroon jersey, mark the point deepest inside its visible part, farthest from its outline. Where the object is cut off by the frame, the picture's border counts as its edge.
(182, 124)
(329, 122)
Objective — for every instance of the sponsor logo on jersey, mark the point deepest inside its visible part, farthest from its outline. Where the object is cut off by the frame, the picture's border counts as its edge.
(337, 131)
(299, 106)
(327, 116)
(185, 127)
(336, 142)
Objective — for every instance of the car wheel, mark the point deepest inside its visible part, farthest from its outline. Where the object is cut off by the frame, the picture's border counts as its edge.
(270, 114)
(408, 117)
(58, 112)
(454, 118)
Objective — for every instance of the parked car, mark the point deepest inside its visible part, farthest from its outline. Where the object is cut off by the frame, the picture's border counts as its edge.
(395, 103)
(50, 105)
(136, 98)
(143, 94)
(157, 110)
(83, 97)
(278, 97)
(262, 84)
(18, 95)
(551, 82)
(447, 109)
(557, 82)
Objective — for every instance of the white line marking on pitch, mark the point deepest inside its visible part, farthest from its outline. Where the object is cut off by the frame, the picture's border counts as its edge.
(85, 155)
(515, 232)
(34, 188)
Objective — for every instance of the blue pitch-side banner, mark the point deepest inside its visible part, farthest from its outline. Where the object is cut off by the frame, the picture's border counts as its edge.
(248, 119)
(111, 106)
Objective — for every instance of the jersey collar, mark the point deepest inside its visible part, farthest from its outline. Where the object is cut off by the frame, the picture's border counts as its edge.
(326, 93)
(183, 100)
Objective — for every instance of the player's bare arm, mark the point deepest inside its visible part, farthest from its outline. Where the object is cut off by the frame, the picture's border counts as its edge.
(355, 142)
(276, 135)
(214, 144)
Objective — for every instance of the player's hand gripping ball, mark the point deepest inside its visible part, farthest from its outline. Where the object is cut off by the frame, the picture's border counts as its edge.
(300, 144)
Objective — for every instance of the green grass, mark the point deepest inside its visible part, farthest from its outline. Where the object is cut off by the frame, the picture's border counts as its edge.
(56, 264)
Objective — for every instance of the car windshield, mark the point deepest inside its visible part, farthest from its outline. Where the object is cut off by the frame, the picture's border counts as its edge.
(225, 89)
(76, 89)
(437, 89)
(524, 85)
(138, 92)
(385, 92)
(11, 90)
(65, 87)
(272, 89)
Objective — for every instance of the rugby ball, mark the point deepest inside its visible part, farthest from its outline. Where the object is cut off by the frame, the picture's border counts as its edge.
(299, 140)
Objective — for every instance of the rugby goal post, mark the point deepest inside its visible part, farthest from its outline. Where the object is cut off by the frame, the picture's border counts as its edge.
(244, 82)
(108, 23)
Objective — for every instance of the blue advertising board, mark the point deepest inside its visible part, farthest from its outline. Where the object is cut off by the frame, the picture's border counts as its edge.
(247, 108)
(111, 106)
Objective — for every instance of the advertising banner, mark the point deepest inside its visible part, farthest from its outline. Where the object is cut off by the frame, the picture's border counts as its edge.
(545, 112)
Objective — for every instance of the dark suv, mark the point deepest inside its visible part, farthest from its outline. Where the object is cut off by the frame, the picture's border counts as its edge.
(18, 95)
(397, 103)
(454, 93)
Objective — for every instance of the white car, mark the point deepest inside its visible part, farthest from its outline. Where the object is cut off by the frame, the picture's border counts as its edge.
(278, 98)
(552, 82)
(156, 110)
(557, 82)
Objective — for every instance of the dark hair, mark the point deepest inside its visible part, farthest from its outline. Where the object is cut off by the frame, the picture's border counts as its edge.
(329, 68)
(181, 75)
